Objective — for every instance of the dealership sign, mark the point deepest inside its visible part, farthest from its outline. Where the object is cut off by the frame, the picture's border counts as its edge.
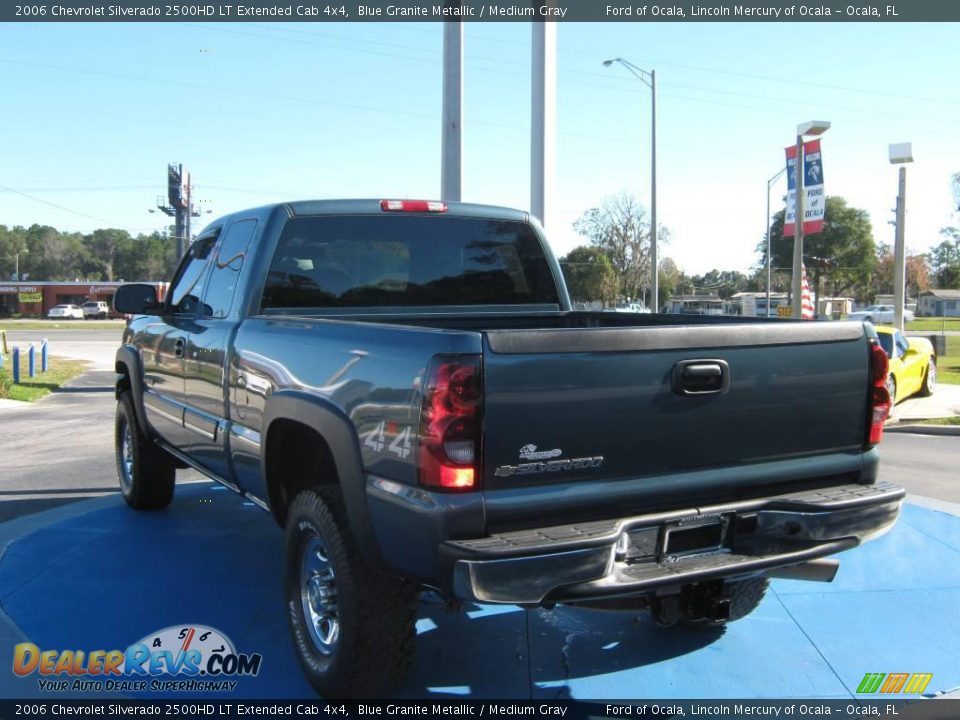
(814, 201)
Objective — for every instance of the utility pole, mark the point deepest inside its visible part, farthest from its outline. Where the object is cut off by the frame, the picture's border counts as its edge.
(179, 206)
(543, 121)
(451, 152)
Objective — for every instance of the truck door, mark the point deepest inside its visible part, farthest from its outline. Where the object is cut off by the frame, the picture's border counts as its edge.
(208, 350)
(164, 348)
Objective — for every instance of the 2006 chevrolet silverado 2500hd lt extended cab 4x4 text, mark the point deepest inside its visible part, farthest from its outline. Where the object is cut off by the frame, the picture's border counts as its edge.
(404, 386)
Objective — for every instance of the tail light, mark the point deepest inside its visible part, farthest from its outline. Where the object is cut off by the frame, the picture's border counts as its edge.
(434, 206)
(449, 448)
(879, 408)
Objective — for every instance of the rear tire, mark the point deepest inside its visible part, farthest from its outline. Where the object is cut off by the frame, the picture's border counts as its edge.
(930, 379)
(352, 624)
(147, 473)
(892, 389)
(745, 596)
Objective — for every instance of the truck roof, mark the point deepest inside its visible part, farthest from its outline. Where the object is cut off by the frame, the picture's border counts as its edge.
(372, 206)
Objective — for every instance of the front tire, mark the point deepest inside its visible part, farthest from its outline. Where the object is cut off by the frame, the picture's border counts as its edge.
(930, 379)
(146, 472)
(352, 624)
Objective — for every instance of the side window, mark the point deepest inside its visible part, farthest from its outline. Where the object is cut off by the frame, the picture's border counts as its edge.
(186, 289)
(902, 344)
(225, 269)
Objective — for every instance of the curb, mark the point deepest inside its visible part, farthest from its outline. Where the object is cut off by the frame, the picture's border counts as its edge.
(943, 430)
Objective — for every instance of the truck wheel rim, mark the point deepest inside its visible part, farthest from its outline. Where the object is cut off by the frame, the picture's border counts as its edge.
(126, 456)
(318, 595)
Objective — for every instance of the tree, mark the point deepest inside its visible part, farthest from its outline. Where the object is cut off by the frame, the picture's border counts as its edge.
(917, 273)
(104, 245)
(620, 227)
(13, 242)
(723, 283)
(842, 254)
(945, 261)
(670, 280)
(945, 257)
(589, 275)
(46, 253)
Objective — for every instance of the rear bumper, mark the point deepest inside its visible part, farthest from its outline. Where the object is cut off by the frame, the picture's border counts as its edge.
(660, 552)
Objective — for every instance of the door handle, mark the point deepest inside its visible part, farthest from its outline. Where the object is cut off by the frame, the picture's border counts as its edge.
(701, 377)
(179, 347)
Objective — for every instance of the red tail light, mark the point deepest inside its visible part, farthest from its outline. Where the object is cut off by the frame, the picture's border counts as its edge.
(449, 451)
(879, 395)
(434, 206)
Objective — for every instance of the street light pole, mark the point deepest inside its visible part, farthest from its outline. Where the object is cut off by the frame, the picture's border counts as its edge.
(649, 78)
(796, 279)
(813, 127)
(770, 183)
(900, 154)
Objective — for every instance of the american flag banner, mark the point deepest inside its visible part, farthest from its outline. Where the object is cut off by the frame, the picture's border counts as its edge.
(806, 297)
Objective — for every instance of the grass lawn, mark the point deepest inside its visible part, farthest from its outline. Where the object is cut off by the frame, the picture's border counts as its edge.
(948, 366)
(61, 324)
(34, 388)
(953, 420)
(934, 324)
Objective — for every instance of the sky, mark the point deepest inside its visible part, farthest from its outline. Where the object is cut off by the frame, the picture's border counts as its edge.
(261, 113)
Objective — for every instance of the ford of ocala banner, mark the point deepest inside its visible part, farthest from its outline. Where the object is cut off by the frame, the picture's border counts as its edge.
(814, 201)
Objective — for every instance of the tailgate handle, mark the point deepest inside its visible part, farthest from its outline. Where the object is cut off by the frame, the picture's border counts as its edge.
(701, 377)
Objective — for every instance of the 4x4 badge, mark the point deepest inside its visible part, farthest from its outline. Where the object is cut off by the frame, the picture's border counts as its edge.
(529, 452)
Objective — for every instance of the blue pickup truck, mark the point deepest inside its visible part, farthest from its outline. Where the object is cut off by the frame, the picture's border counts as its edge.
(404, 387)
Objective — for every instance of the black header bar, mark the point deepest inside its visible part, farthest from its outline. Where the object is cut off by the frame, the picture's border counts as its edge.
(479, 11)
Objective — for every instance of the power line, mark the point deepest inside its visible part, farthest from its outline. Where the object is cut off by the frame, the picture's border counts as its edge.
(54, 205)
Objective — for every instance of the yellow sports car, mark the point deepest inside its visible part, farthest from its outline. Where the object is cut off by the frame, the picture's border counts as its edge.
(913, 364)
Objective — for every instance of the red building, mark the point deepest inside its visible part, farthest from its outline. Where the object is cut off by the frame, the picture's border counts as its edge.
(34, 299)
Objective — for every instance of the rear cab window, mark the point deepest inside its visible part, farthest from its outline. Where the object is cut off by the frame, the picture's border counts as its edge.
(370, 260)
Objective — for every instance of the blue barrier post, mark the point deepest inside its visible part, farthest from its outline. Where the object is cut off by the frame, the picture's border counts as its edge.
(31, 361)
(16, 365)
(44, 360)
(1, 361)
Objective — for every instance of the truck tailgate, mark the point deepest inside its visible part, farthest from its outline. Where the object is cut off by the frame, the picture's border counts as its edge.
(598, 405)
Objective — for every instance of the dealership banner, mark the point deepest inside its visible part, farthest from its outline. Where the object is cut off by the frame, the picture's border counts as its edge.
(814, 201)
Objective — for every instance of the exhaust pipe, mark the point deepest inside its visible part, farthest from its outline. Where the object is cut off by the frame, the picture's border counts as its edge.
(822, 570)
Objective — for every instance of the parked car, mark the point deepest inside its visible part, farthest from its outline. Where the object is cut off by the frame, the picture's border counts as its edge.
(404, 387)
(913, 364)
(879, 314)
(66, 312)
(95, 310)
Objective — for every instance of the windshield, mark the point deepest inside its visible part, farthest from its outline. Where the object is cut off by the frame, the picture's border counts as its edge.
(392, 260)
(886, 342)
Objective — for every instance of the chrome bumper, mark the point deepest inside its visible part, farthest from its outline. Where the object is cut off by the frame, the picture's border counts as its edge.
(636, 555)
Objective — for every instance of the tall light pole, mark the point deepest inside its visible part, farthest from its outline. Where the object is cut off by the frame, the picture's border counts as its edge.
(814, 127)
(900, 154)
(770, 183)
(543, 119)
(451, 143)
(649, 78)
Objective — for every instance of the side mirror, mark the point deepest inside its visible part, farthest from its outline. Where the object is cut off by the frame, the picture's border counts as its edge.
(136, 299)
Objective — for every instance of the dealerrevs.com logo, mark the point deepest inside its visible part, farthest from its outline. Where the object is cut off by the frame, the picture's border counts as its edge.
(180, 658)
